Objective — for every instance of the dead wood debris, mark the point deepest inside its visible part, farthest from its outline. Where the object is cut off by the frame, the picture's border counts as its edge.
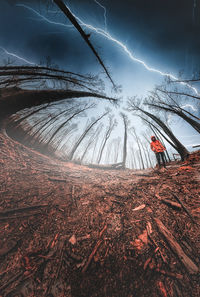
(187, 262)
(67, 230)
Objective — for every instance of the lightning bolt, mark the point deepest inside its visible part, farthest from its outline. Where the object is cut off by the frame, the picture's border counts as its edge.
(119, 43)
(105, 18)
(16, 56)
(43, 17)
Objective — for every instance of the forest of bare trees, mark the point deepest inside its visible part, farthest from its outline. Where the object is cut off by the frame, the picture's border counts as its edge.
(53, 119)
(46, 112)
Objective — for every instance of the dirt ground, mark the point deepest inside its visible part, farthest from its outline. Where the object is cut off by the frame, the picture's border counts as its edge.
(69, 230)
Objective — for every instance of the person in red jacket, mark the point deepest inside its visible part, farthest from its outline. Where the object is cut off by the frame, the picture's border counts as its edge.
(158, 149)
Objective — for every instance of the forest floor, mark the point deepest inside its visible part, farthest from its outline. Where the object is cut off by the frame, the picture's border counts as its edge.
(69, 230)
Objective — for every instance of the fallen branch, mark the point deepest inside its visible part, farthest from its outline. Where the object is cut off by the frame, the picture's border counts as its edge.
(168, 202)
(61, 261)
(20, 216)
(164, 257)
(57, 179)
(102, 231)
(57, 270)
(11, 211)
(162, 289)
(11, 280)
(171, 203)
(184, 207)
(170, 274)
(187, 262)
(99, 242)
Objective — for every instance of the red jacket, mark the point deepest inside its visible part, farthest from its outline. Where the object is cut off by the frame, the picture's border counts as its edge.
(157, 147)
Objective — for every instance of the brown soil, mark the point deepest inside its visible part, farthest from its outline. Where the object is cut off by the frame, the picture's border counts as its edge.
(94, 232)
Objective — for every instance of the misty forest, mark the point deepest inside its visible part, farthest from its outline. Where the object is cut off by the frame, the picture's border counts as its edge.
(99, 148)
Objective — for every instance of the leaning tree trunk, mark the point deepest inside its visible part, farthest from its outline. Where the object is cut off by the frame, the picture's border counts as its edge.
(107, 136)
(179, 146)
(83, 136)
(73, 20)
(181, 114)
(64, 123)
(90, 142)
(22, 99)
(45, 125)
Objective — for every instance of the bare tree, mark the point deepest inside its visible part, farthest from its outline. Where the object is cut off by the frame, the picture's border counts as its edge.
(172, 107)
(42, 126)
(95, 144)
(67, 131)
(40, 76)
(51, 85)
(116, 143)
(111, 126)
(91, 141)
(60, 126)
(133, 132)
(126, 123)
(144, 153)
(134, 164)
(176, 143)
(147, 148)
(83, 135)
(179, 92)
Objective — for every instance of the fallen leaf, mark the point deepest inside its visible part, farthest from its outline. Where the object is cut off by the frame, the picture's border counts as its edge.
(72, 239)
(139, 207)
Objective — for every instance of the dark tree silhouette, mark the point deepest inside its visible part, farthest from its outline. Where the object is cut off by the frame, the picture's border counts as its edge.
(61, 125)
(95, 143)
(181, 149)
(178, 93)
(73, 20)
(16, 95)
(91, 141)
(83, 135)
(173, 107)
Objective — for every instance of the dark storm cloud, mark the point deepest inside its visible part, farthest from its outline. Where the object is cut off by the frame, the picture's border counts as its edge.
(165, 23)
(21, 31)
(162, 30)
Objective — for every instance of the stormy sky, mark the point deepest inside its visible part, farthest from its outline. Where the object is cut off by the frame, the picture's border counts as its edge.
(163, 34)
